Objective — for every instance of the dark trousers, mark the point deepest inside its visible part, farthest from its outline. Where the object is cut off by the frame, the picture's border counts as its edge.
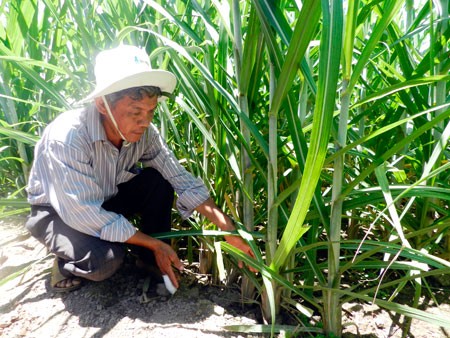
(148, 195)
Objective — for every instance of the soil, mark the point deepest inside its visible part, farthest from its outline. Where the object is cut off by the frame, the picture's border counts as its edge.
(119, 306)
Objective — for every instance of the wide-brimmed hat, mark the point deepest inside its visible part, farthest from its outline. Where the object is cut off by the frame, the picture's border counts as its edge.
(126, 67)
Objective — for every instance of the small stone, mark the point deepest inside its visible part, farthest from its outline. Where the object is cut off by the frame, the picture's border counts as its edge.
(218, 310)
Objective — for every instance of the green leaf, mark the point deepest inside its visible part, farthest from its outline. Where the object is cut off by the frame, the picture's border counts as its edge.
(330, 50)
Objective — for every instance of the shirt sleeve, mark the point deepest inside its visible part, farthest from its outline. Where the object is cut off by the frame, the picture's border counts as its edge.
(191, 191)
(75, 194)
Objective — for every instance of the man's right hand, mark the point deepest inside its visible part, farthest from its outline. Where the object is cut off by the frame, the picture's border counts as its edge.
(166, 257)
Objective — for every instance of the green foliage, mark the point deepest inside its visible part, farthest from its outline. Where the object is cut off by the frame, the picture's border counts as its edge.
(329, 139)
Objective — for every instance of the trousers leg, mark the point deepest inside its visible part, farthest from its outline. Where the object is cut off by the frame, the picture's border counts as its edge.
(78, 254)
(149, 196)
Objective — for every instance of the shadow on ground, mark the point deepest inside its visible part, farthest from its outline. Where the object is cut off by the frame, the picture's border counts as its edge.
(116, 307)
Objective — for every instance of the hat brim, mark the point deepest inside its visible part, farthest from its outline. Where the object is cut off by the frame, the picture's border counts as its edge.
(165, 80)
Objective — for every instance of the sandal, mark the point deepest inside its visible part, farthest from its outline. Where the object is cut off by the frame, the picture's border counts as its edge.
(58, 277)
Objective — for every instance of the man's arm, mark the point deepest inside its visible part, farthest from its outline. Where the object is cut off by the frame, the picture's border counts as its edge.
(165, 256)
(191, 191)
(211, 211)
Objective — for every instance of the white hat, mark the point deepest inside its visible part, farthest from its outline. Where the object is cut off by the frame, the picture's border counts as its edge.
(126, 67)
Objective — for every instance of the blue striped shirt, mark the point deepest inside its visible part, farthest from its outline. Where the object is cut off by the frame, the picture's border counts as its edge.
(76, 169)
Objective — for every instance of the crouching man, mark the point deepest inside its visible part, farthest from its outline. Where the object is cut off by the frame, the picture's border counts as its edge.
(85, 183)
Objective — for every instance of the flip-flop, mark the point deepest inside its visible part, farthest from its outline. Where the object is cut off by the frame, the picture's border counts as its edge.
(57, 277)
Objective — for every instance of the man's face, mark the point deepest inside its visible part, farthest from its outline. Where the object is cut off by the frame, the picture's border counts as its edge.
(132, 117)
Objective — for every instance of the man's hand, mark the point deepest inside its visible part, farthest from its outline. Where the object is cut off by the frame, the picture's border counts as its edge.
(210, 210)
(166, 257)
(240, 244)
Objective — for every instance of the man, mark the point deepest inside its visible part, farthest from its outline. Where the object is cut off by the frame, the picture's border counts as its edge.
(98, 165)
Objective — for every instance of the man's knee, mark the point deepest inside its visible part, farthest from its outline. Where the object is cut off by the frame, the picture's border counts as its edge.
(98, 265)
(104, 267)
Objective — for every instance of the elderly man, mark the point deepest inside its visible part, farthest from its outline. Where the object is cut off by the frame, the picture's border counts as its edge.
(97, 166)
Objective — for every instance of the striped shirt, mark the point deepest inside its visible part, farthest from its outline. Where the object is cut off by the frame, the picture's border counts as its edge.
(76, 169)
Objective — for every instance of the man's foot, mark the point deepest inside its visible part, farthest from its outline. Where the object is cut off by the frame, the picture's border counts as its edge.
(61, 283)
(68, 284)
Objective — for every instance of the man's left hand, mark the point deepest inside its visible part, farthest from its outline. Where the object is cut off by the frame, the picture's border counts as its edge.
(239, 243)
